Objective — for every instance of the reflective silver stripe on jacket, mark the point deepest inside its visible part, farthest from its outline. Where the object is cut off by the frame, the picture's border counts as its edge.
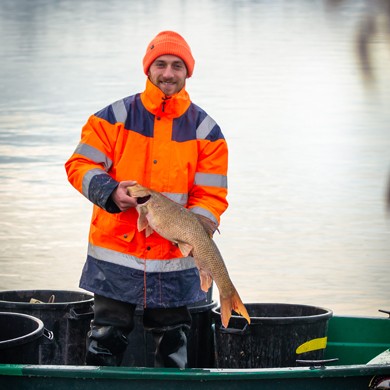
(205, 127)
(119, 110)
(88, 177)
(205, 213)
(182, 199)
(150, 265)
(94, 154)
(210, 180)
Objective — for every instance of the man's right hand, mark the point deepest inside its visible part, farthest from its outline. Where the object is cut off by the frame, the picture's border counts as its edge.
(122, 198)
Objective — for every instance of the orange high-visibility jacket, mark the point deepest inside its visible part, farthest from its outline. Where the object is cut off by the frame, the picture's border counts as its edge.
(165, 143)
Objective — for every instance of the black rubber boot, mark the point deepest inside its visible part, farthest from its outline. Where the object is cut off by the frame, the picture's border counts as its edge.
(171, 348)
(107, 339)
(105, 346)
(169, 327)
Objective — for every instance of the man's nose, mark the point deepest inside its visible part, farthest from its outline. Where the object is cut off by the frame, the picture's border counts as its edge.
(168, 72)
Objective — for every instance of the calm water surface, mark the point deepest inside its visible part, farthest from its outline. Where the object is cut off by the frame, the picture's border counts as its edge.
(309, 144)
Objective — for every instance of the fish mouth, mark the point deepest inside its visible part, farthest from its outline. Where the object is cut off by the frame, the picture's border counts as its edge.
(143, 199)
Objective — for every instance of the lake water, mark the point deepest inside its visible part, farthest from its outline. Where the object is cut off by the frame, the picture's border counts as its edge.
(309, 142)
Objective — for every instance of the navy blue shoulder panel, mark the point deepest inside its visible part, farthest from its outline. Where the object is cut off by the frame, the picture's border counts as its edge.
(215, 134)
(132, 113)
(107, 114)
(135, 117)
(139, 119)
(185, 127)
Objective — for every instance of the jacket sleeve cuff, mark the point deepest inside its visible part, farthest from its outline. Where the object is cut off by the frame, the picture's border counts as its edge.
(100, 190)
(111, 206)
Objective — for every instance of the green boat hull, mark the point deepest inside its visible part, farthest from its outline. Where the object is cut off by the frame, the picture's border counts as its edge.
(118, 378)
(355, 341)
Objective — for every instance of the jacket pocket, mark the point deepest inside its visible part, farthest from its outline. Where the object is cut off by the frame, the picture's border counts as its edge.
(112, 227)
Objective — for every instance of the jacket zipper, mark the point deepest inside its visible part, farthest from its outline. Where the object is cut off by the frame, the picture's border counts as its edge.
(164, 99)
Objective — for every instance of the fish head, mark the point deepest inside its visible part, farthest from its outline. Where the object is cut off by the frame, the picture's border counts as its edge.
(142, 194)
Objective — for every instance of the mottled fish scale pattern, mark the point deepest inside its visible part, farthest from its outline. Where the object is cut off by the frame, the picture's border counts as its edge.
(179, 225)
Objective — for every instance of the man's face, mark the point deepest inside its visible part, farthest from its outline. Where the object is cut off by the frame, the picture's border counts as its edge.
(168, 73)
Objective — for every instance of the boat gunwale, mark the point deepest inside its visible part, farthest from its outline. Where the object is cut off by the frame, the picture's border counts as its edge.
(209, 374)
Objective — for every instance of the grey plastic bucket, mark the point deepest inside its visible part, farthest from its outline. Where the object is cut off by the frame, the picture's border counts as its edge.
(278, 336)
(20, 338)
(68, 318)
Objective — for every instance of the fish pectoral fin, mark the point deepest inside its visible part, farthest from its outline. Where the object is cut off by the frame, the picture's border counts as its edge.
(142, 222)
(205, 280)
(185, 248)
(148, 231)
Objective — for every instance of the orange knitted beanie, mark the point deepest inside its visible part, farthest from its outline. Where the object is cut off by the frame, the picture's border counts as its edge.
(169, 42)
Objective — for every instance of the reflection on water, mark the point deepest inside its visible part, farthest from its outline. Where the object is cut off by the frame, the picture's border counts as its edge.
(309, 145)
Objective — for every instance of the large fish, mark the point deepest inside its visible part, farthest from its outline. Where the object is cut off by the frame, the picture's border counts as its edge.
(179, 225)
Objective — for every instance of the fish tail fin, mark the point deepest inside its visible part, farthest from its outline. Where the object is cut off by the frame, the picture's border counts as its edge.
(232, 303)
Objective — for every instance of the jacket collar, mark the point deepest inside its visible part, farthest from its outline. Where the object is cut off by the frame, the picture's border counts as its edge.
(158, 104)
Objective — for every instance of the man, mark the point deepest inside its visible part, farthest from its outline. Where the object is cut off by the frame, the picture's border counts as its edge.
(163, 141)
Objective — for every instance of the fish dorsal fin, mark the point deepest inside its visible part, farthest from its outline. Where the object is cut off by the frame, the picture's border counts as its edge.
(205, 280)
(185, 248)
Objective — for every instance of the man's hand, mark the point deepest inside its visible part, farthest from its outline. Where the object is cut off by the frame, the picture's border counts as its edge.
(121, 197)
